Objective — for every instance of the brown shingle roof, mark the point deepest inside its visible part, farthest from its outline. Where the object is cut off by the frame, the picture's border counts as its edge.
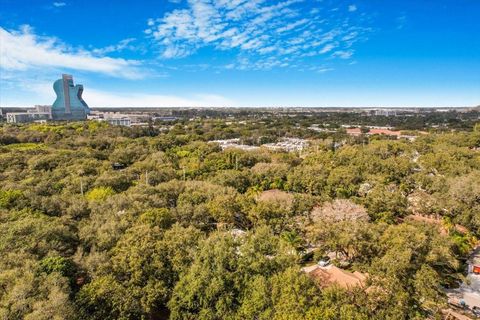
(330, 275)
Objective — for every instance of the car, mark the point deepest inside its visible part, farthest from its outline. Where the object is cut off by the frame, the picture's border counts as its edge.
(323, 262)
(476, 311)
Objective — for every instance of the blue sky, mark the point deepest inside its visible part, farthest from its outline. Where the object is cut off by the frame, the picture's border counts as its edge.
(313, 53)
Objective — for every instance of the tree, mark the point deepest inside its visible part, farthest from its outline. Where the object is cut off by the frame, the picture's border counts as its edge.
(414, 261)
(208, 290)
(219, 275)
(386, 203)
(340, 210)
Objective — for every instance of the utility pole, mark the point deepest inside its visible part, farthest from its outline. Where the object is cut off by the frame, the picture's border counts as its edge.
(146, 177)
(81, 186)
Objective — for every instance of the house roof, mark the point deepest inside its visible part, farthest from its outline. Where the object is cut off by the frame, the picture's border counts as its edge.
(354, 131)
(330, 275)
(385, 132)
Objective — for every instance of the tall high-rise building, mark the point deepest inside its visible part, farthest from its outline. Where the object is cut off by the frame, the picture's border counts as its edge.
(69, 104)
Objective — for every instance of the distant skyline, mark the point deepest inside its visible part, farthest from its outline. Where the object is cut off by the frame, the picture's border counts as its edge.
(243, 53)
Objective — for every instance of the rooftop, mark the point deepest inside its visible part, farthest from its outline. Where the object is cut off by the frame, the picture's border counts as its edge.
(332, 275)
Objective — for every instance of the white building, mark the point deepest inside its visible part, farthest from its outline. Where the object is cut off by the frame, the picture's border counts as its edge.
(288, 144)
(39, 113)
(119, 121)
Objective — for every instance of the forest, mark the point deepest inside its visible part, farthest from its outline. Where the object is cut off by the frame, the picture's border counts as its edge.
(103, 222)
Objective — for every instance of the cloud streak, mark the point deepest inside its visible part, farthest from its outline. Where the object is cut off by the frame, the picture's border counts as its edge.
(125, 44)
(267, 35)
(24, 50)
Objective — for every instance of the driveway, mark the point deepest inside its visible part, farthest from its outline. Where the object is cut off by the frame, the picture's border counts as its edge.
(469, 291)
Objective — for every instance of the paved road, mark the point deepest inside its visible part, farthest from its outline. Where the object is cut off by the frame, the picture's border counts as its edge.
(469, 291)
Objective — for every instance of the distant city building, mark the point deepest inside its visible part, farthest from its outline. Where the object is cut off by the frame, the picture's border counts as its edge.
(120, 118)
(234, 144)
(24, 117)
(119, 121)
(288, 144)
(386, 113)
(69, 104)
(43, 109)
(40, 113)
(170, 118)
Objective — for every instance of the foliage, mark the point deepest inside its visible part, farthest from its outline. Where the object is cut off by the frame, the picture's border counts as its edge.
(10, 198)
(100, 193)
(189, 231)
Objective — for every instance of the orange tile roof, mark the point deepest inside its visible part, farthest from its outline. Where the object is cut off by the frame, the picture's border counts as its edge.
(354, 131)
(384, 131)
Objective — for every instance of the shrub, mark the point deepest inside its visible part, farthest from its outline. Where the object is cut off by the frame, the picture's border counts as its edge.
(100, 193)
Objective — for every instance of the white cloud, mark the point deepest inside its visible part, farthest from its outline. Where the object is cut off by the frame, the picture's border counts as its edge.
(401, 21)
(352, 8)
(321, 69)
(292, 25)
(257, 28)
(59, 4)
(327, 48)
(343, 54)
(150, 22)
(24, 50)
(122, 45)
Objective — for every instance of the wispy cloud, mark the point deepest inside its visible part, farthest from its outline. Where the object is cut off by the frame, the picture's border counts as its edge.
(401, 21)
(24, 50)
(259, 33)
(120, 46)
(59, 4)
(343, 54)
(327, 48)
(321, 69)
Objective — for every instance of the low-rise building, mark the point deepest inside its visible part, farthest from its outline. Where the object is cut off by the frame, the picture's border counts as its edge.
(354, 132)
(26, 117)
(39, 113)
(234, 143)
(119, 121)
(288, 144)
(166, 118)
(386, 113)
(41, 109)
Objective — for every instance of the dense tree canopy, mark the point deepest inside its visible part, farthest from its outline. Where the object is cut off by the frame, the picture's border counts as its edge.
(185, 230)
